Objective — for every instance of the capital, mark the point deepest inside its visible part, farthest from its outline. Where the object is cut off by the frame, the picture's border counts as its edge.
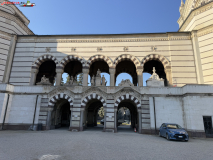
(34, 70)
(59, 70)
(139, 71)
(85, 70)
(112, 70)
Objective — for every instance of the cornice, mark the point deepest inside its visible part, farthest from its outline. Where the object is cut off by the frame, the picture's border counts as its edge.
(194, 13)
(17, 21)
(38, 40)
(205, 31)
(5, 35)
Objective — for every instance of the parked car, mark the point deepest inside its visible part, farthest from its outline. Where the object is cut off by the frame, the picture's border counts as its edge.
(173, 132)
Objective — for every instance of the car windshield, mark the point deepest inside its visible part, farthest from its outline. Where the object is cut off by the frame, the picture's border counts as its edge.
(173, 126)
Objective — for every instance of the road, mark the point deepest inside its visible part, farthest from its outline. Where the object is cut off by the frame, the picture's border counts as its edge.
(61, 144)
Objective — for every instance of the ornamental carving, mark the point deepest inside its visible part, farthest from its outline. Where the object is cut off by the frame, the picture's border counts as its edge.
(94, 90)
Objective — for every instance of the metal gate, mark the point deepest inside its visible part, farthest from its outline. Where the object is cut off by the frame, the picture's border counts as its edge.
(207, 120)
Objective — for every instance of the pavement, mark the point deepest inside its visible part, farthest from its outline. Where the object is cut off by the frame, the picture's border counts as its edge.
(93, 144)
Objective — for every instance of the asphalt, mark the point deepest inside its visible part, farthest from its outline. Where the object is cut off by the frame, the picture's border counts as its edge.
(93, 144)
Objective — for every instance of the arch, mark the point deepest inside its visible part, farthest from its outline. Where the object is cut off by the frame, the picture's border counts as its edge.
(69, 58)
(56, 97)
(43, 58)
(90, 97)
(158, 57)
(132, 58)
(99, 57)
(127, 97)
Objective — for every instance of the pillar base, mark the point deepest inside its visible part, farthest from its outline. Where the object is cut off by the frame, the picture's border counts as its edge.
(114, 130)
(76, 129)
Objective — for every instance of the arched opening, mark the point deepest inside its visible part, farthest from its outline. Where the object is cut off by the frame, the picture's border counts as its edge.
(123, 76)
(127, 116)
(127, 66)
(47, 68)
(94, 115)
(100, 64)
(60, 116)
(148, 67)
(73, 68)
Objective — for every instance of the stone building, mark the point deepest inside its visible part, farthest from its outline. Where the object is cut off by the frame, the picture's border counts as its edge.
(30, 64)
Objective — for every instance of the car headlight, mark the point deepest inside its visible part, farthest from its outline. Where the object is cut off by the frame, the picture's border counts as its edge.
(171, 132)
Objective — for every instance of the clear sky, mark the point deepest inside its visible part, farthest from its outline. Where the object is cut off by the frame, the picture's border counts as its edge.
(51, 17)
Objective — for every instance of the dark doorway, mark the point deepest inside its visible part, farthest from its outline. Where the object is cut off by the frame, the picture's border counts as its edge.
(207, 120)
(127, 116)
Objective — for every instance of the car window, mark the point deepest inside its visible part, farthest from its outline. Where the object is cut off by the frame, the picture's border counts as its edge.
(173, 126)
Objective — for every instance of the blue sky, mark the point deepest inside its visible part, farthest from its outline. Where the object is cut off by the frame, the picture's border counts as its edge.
(51, 17)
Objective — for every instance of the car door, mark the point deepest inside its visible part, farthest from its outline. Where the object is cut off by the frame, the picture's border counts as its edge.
(163, 133)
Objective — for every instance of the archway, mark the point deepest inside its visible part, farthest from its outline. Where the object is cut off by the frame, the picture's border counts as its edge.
(148, 67)
(60, 116)
(129, 119)
(91, 104)
(121, 67)
(132, 104)
(47, 68)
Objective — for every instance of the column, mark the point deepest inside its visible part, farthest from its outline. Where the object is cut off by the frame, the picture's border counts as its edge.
(48, 124)
(9, 61)
(112, 76)
(115, 120)
(197, 57)
(168, 72)
(34, 72)
(82, 119)
(140, 77)
(59, 73)
(85, 76)
(139, 119)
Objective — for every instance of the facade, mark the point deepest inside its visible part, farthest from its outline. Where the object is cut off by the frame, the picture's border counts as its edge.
(182, 59)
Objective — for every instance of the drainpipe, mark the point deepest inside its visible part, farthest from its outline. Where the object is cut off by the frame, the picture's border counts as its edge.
(154, 114)
(32, 127)
(5, 111)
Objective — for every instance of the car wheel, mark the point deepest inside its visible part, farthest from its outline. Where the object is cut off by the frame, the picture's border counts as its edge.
(186, 140)
(159, 134)
(167, 137)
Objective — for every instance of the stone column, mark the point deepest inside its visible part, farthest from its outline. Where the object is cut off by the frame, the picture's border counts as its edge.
(82, 119)
(140, 77)
(139, 119)
(9, 61)
(85, 76)
(34, 72)
(59, 73)
(112, 76)
(168, 72)
(48, 124)
(115, 120)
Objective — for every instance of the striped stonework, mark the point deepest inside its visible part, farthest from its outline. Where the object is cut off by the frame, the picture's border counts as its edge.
(69, 58)
(160, 58)
(43, 111)
(127, 97)
(145, 115)
(127, 57)
(100, 57)
(44, 58)
(57, 97)
(110, 116)
(90, 97)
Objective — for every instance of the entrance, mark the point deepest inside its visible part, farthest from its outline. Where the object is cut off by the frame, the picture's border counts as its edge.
(94, 116)
(207, 120)
(61, 113)
(127, 117)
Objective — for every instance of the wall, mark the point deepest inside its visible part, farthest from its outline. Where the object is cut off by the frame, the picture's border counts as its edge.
(175, 47)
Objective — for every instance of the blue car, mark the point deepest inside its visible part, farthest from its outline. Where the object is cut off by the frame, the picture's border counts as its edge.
(173, 132)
